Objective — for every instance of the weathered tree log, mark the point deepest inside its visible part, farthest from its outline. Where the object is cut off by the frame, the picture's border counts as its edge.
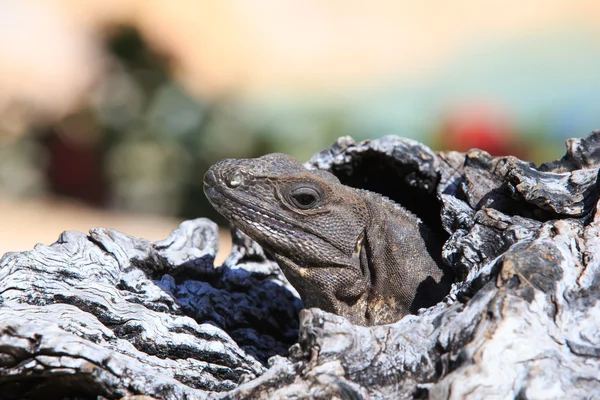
(109, 315)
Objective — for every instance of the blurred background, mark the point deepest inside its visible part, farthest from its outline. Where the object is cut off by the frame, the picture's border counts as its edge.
(112, 110)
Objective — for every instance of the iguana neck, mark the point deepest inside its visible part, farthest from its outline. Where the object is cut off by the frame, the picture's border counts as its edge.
(395, 291)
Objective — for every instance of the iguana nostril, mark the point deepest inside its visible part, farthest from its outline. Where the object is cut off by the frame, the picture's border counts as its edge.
(210, 179)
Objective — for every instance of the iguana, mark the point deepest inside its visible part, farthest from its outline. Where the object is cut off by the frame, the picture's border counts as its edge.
(347, 251)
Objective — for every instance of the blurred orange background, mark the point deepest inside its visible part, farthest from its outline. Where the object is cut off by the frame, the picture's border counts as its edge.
(112, 110)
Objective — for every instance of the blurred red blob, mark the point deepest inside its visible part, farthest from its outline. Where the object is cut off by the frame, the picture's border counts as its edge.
(75, 167)
(482, 126)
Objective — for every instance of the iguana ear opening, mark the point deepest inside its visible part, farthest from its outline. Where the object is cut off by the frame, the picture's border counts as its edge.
(360, 253)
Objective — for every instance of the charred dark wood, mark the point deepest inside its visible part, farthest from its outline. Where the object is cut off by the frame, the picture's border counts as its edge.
(109, 315)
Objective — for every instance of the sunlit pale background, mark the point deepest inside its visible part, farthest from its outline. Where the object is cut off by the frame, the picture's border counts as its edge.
(111, 110)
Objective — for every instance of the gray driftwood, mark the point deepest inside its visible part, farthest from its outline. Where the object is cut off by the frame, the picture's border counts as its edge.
(109, 315)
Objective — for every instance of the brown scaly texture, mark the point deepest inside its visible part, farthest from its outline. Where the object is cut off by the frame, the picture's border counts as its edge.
(347, 251)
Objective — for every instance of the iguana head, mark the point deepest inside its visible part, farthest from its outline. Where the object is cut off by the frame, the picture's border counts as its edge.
(311, 223)
(288, 209)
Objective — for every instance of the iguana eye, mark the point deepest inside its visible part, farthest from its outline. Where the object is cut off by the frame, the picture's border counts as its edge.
(304, 197)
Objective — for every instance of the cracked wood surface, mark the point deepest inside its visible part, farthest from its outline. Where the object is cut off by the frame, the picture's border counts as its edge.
(109, 315)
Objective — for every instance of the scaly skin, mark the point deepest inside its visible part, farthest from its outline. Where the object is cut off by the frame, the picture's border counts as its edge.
(347, 251)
